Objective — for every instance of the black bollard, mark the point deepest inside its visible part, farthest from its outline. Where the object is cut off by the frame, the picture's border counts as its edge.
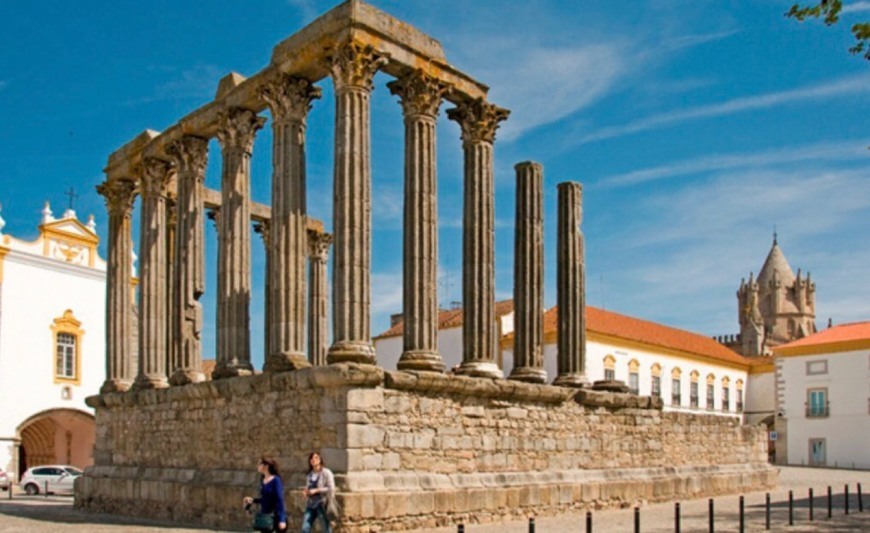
(677, 517)
(846, 498)
(767, 511)
(742, 520)
(460, 528)
(860, 500)
(790, 508)
(588, 521)
(637, 520)
(531, 524)
(811, 505)
(710, 506)
(830, 502)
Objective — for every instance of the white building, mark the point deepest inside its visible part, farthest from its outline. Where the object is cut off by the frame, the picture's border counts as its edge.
(690, 372)
(52, 343)
(823, 398)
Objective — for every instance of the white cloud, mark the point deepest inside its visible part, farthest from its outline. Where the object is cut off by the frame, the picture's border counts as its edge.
(828, 151)
(855, 7)
(844, 86)
(688, 41)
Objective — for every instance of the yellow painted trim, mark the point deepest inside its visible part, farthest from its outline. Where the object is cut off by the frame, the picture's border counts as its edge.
(609, 362)
(3, 252)
(633, 365)
(67, 324)
(827, 348)
(676, 373)
(711, 379)
(695, 375)
(739, 384)
(592, 336)
(726, 381)
(761, 369)
(656, 369)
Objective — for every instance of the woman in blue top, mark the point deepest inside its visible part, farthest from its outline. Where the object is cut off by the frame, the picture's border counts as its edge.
(319, 483)
(271, 498)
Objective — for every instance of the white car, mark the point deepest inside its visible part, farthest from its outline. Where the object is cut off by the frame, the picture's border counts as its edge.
(5, 484)
(49, 478)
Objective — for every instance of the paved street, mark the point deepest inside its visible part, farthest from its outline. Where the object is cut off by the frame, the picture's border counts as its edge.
(55, 513)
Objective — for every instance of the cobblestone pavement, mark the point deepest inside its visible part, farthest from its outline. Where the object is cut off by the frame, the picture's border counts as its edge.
(55, 513)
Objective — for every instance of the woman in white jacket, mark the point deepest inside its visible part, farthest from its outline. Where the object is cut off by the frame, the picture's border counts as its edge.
(319, 486)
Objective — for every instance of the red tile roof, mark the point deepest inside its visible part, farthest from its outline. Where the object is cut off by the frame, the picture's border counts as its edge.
(643, 331)
(451, 318)
(856, 331)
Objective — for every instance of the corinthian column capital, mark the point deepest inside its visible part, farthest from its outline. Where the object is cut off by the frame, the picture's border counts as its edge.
(353, 65)
(420, 93)
(156, 175)
(478, 120)
(190, 155)
(119, 196)
(319, 244)
(289, 97)
(238, 126)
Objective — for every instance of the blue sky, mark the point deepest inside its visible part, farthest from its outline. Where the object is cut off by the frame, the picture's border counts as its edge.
(694, 126)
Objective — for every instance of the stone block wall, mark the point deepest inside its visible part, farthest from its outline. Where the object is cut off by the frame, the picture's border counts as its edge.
(409, 450)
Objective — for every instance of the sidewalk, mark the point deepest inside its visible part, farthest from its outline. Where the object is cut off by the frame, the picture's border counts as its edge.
(55, 513)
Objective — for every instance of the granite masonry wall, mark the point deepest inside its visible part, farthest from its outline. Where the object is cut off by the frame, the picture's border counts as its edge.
(410, 450)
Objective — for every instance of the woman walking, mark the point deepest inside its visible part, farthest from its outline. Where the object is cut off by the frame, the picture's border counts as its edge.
(271, 498)
(320, 485)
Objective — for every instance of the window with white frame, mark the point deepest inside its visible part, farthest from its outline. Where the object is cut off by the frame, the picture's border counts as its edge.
(66, 356)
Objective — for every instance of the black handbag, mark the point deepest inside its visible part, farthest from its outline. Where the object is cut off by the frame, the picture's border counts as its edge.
(264, 522)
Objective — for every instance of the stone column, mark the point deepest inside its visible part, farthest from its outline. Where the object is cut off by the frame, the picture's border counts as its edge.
(478, 121)
(529, 275)
(119, 196)
(420, 96)
(236, 136)
(571, 288)
(171, 240)
(262, 228)
(289, 100)
(153, 298)
(190, 155)
(352, 66)
(318, 297)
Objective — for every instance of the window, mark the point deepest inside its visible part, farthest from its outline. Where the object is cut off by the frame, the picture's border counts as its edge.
(739, 398)
(67, 348)
(726, 401)
(693, 394)
(711, 390)
(634, 376)
(609, 368)
(817, 403)
(66, 356)
(815, 368)
(656, 386)
(676, 393)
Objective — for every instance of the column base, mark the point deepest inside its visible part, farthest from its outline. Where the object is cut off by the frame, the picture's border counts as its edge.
(185, 376)
(150, 382)
(115, 385)
(480, 369)
(362, 352)
(421, 360)
(528, 374)
(285, 362)
(231, 370)
(577, 381)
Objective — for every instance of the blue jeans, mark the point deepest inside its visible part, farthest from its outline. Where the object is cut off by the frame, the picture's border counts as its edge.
(313, 514)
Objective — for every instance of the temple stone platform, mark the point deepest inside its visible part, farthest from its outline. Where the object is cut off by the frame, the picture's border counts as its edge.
(410, 450)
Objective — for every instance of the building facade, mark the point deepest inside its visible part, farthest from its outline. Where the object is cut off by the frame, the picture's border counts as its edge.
(52, 343)
(823, 398)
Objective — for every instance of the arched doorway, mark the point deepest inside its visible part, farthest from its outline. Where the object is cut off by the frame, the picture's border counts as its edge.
(57, 436)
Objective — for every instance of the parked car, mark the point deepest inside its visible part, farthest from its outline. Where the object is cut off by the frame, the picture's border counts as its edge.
(53, 478)
(5, 484)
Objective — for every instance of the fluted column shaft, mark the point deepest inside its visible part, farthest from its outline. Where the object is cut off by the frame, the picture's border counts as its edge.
(190, 156)
(420, 98)
(478, 121)
(318, 297)
(529, 275)
(236, 136)
(570, 288)
(119, 196)
(289, 99)
(153, 300)
(352, 66)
